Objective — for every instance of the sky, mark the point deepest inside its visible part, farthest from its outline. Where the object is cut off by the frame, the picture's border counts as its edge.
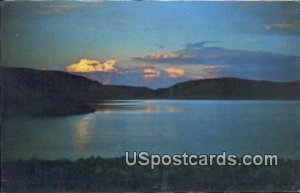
(154, 44)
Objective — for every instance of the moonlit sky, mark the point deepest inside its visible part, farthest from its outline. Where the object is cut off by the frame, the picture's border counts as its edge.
(154, 44)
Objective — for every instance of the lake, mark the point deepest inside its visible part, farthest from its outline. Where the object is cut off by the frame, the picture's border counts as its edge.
(159, 126)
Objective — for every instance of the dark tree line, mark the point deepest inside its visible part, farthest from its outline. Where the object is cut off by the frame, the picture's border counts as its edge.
(113, 175)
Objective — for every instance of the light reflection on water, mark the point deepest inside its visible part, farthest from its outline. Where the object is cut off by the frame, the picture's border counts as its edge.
(159, 126)
(136, 106)
(82, 134)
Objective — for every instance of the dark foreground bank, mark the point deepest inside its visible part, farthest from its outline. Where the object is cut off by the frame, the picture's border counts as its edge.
(113, 175)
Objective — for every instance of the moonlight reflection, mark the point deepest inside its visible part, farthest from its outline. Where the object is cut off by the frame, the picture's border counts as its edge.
(82, 134)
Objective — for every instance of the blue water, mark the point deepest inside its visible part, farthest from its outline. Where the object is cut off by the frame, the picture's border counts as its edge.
(159, 126)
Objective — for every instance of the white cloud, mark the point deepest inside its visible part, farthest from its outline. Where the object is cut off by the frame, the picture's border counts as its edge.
(86, 65)
(175, 72)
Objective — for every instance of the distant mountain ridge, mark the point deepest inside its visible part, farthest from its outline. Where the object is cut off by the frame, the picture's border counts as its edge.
(231, 88)
(38, 92)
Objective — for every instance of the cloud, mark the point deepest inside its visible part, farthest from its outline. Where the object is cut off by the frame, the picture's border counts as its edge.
(279, 19)
(199, 45)
(219, 62)
(198, 53)
(159, 56)
(169, 57)
(204, 71)
(86, 65)
(160, 46)
(175, 72)
(151, 73)
(284, 26)
(185, 72)
(58, 8)
(50, 8)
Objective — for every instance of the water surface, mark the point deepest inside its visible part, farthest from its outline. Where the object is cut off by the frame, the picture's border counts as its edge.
(159, 126)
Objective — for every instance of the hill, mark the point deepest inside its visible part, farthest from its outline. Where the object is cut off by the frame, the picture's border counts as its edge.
(231, 88)
(39, 92)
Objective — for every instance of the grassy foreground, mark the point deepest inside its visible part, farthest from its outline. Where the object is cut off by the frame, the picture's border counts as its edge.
(113, 175)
